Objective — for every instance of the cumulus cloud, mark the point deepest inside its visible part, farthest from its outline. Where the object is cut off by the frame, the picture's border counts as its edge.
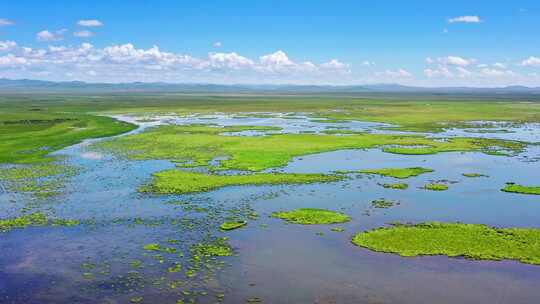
(499, 65)
(83, 34)
(228, 60)
(47, 36)
(7, 45)
(90, 23)
(335, 64)
(217, 44)
(531, 61)
(6, 22)
(465, 19)
(126, 62)
(456, 61)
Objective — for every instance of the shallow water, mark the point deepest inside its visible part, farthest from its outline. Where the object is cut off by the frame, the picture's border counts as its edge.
(274, 261)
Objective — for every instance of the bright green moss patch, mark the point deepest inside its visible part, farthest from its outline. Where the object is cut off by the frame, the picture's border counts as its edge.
(312, 216)
(33, 220)
(472, 175)
(232, 225)
(179, 182)
(479, 242)
(515, 188)
(399, 186)
(436, 187)
(398, 172)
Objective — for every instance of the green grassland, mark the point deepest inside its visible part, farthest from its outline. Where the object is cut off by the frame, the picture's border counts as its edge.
(30, 137)
(200, 144)
(32, 126)
(400, 173)
(181, 182)
(472, 241)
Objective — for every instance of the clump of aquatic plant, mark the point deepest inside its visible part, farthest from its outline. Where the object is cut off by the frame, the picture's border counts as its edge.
(157, 247)
(383, 203)
(33, 220)
(179, 182)
(232, 225)
(401, 173)
(515, 188)
(474, 175)
(436, 187)
(399, 186)
(472, 241)
(312, 216)
(217, 247)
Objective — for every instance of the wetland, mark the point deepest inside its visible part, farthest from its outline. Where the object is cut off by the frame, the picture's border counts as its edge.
(234, 199)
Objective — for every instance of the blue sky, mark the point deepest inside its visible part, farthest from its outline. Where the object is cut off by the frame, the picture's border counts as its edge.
(478, 43)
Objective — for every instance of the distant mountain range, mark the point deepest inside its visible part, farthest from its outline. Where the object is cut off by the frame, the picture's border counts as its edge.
(38, 86)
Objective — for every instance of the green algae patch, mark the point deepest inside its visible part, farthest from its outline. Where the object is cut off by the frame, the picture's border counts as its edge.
(515, 188)
(217, 247)
(232, 225)
(158, 248)
(180, 182)
(200, 144)
(397, 186)
(472, 241)
(35, 219)
(436, 187)
(312, 216)
(401, 173)
(473, 175)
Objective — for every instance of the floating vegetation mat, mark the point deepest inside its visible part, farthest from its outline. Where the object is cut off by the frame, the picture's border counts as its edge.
(312, 216)
(472, 241)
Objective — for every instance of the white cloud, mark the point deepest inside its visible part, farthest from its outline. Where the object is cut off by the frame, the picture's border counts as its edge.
(531, 61)
(499, 65)
(400, 73)
(7, 45)
(6, 22)
(90, 23)
(335, 65)
(276, 60)
(83, 34)
(217, 44)
(11, 60)
(463, 72)
(440, 71)
(228, 60)
(457, 61)
(465, 19)
(495, 72)
(368, 63)
(46, 36)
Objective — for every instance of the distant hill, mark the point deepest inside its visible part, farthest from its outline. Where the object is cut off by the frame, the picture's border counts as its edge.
(38, 86)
